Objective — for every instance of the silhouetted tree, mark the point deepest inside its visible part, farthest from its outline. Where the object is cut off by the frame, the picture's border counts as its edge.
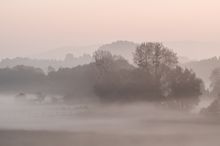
(21, 78)
(213, 108)
(215, 82)
(113, 72)
(103, 61)
(171, 82)
(156, 78)
(154, 58)
(51, 69)
(183, 87)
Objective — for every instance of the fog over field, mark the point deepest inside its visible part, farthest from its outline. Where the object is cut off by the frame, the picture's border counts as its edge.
(109, 73)
(92, 124)
(124, 94)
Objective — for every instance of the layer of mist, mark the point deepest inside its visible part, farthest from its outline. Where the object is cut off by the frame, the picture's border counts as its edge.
(118, 124)
(110, 99)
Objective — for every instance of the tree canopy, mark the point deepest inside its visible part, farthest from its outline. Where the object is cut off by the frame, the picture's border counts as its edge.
(155, 78)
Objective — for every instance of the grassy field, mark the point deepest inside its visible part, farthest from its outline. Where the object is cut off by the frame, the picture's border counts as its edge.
(115, 125)
(176, 135)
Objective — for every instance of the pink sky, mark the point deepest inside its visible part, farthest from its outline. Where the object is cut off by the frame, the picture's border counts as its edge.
(33, 26)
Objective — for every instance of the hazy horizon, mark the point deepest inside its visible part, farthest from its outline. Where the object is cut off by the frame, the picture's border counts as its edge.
(31, 27)
(189, 49)
(109, 72)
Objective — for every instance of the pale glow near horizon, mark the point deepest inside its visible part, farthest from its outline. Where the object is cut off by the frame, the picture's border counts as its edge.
(33, 26)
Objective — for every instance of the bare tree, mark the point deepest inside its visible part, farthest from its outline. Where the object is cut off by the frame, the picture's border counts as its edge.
(155, 58)
(103, 60)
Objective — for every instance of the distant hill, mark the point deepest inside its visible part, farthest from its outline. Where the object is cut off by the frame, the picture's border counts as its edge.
(55, 57)
(59, 53)
(127, 48)
(68, 62)
(204, 68)
(123, 48)
(183, 59)
(194, 49)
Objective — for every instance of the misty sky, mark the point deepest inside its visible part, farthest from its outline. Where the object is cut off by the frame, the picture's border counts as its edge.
(190, 27)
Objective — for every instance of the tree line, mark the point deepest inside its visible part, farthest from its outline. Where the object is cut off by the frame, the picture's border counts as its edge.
(154, 77)
(69, 61)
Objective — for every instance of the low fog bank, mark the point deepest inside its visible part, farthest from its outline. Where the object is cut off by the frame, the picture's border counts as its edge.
(97, 117)
(56, 124)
